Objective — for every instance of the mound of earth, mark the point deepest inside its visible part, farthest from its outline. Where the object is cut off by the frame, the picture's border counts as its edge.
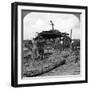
(38, 67)
(58, 63)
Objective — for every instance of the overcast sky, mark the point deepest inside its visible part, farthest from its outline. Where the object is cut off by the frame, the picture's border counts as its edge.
(36, 22)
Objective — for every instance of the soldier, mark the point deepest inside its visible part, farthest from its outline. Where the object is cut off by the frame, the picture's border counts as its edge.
(34, 50)
(52, 24)
(40, 47)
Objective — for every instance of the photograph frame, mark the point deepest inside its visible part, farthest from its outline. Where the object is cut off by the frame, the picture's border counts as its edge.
(14, 43)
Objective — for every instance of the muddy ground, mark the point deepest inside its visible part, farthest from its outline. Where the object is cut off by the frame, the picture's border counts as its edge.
(66, 62)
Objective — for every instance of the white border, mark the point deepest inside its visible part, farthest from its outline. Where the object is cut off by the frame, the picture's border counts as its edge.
(54, 78)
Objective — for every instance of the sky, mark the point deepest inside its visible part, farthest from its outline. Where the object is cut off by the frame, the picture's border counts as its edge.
(35, 22)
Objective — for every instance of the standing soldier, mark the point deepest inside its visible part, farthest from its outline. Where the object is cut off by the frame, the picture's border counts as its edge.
(52, 24)
(40, 47)
(34, 50)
